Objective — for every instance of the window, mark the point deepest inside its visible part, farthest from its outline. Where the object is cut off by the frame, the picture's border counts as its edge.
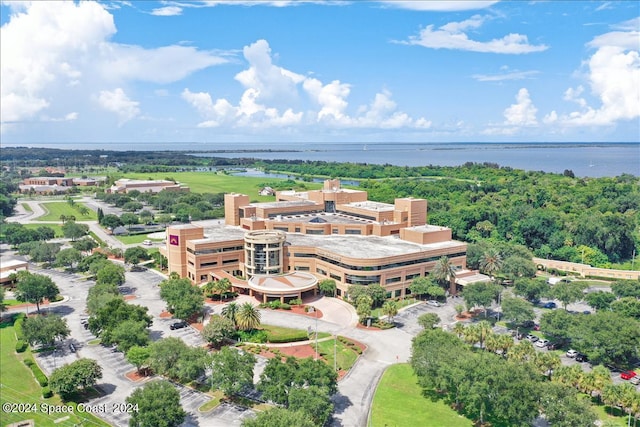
(302, 268)
(208, 264)
(352, 231)
(392, 280)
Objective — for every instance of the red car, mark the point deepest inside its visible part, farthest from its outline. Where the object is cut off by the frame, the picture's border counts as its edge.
(627, 375)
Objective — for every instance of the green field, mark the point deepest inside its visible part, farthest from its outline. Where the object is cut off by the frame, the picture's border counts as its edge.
(56, 209)
(398, 402)
(18, 386)
(346, 356)
(57, 228)
(211, 182)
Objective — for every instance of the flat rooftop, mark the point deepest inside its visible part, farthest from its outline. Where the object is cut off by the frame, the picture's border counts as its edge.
(372, 206)
(285, 204)
(353, 246)
(333, 218)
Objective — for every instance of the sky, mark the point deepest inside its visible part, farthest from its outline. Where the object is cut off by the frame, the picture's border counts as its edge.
(145, 74)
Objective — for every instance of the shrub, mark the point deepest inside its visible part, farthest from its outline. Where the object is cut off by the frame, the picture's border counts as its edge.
(285, 306)
(295, 301)
(291, 337)
(21, 346)
(17, 326)
(37, 373)
(46, 392)
(256, 336)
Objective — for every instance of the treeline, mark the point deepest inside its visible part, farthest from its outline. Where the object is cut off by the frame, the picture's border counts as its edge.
(590, 220)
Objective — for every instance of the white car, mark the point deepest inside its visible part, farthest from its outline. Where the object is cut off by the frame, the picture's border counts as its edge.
(542, 343)
(147, 243)
(635, 380)
(572, 353)
(433, 303)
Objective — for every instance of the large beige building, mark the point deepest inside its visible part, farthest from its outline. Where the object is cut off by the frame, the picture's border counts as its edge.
(333, 233)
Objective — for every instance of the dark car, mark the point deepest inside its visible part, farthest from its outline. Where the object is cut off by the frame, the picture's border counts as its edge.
(553, 346)
(178, 325)
(72, 348)
(549, 304)
(581, 357)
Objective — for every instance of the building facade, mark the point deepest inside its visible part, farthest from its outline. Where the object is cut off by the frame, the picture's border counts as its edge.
(332, 233)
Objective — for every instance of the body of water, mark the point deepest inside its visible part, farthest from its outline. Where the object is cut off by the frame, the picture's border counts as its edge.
(584, 159)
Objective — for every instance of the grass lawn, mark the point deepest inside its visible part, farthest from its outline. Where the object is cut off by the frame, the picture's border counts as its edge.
(618, 418)
(398, 402)
(26, 207)
(19, 386)
(346, 355)
(211, 182)
(55, 227)
(135, 239)
(283, 333)
(377, 312)
(56, 209)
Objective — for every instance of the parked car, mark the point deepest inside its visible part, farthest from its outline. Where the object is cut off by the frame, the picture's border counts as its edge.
(433, 303)
(147, 243)
(542, 343)
(532, 338)
(572, 353)
(72, 348)
(536, 327)
(627, 375)
(581, 357)
(552, 345)
(635, 380)
(549, 304)
(178, 325)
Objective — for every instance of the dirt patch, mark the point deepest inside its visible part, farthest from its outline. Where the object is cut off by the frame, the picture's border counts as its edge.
(300, 309)
(130, 297)
(197, 325)
(135, 376)
(368, 328)
(165, 315)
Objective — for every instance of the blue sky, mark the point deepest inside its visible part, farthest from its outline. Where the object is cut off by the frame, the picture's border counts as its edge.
(310, 71)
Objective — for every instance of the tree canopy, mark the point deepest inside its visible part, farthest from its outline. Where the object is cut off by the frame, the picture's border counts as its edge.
(156, 404)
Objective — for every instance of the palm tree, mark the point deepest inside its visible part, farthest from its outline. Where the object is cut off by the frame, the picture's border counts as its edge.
(546, 362)
(630, 400)
(472, 334)
(491, 262)
(230, 311)
(612, 396)
(485, 330)
(569, 375)
(493, 343)
(222, 286)
(63, 218)
(602, 377)
(247, 317)
(521, 352)
(390, 309)
(506, 342)
(444, 272)
(458, 329)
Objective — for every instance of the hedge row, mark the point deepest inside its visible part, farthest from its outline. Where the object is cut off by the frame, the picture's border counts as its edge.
(290, 337)
(17, 326)
(37, 373)
(21, 346)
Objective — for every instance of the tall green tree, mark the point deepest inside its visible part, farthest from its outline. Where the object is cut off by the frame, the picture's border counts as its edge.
(156, 404)
(72, 230)
(135, 254)
(230, 311)
(183, 299)
(35, 288)
(568, 292)
(481, 294)
(45, 330)
(81, 374)
(218, 330)
(445, 274)
(138, 356)
(232, 370)
(517, 310)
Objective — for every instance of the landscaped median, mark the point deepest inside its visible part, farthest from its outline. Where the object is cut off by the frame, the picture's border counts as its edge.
(399, 401)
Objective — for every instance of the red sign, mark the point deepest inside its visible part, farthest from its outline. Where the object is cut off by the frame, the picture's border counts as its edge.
(174, 240)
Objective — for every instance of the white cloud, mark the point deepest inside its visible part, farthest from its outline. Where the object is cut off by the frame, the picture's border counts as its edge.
(613, 75)
(268, 88)
(523, 112)
(118, 102)
(440, 6)
(167, 11)
(270, 80)
(453, 36)
(512, 75)
(54, 54)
